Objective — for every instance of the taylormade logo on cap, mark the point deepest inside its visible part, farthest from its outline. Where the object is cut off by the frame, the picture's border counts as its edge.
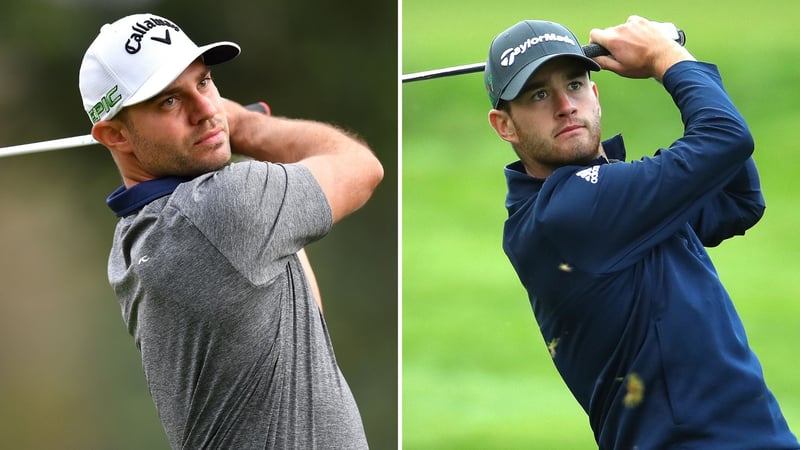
(135, 58)
(508, 57)
(516, 53)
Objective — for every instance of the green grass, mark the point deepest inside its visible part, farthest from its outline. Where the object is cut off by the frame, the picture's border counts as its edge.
(476, 373)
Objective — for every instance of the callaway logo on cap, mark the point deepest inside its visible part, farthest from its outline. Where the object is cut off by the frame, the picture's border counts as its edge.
(517, 52)
(135, 58)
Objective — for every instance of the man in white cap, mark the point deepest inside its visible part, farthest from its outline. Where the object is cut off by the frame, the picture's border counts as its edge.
(206, 257)
(612, 254)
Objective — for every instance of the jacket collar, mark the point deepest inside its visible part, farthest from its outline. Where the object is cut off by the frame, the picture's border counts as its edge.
(520, 183)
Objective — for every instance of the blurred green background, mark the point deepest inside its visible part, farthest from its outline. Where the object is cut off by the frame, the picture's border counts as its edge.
(70, 375)
(476, 373)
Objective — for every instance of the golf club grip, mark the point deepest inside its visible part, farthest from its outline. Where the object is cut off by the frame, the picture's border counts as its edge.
(261, 107)
(595, 50)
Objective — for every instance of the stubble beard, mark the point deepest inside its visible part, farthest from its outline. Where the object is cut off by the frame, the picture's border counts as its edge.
(547, 152)
(170, 159)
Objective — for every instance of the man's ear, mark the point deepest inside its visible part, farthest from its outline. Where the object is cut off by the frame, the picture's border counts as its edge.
(111, 133)
(503, 125)
(597, 98)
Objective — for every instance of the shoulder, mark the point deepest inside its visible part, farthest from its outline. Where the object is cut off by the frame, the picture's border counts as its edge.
(250, 192)
(237, 181)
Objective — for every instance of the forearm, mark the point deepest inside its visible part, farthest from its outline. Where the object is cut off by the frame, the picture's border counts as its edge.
(282, 140)
(343, 165)
(713, 126)
(716, 147)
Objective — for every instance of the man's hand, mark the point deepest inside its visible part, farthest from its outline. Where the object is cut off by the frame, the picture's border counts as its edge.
(236, 114)
(639, 49)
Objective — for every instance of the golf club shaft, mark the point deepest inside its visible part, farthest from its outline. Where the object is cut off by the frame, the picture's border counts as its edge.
(82, 141)
(590, 50)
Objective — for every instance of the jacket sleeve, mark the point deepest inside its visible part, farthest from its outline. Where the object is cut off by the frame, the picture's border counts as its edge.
(612, 220)
(736, 209)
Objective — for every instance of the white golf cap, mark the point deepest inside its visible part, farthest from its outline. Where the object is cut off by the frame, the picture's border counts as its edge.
(135, 58)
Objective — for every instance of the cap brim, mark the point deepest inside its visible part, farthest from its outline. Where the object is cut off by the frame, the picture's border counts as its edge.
(219, 52)
(516, 84)
(212, 54)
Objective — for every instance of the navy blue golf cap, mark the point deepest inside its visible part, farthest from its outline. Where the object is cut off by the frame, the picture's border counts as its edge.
(517, 52)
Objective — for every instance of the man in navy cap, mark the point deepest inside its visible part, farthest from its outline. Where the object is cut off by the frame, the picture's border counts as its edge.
(612, 254)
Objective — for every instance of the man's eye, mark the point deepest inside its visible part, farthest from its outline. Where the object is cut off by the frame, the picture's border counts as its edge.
(575, 85)
(168, 102)
(539, 95)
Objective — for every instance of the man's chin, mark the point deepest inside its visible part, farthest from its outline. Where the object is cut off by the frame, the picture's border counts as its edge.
(585, 152)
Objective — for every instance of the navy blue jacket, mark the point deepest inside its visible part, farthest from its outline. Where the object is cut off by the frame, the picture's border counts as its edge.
(627, 299)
